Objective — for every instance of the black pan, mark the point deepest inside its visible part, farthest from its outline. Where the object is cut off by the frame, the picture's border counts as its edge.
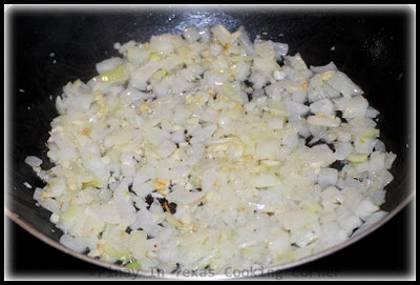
(373, 48)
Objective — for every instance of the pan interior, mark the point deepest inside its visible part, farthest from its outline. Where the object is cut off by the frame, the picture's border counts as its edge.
(373, 49)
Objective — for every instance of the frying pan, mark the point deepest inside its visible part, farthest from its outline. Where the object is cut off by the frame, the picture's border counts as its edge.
(52, 47)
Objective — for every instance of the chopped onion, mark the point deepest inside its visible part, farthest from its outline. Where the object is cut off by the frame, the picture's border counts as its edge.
(108, 64)
(246, 42)
(280, 49)
(327, 176)
(320, 69)
(33, 161)
(201, 150)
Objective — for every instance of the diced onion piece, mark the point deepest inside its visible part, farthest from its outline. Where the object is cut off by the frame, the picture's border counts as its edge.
(72, 243)
(324, 106)
(265, 180)
(320, 69)
(33, 161)
(355, 107)
(342, 83)
(327, 176)
(108, 64)
(117, 75)
(280, 49)
(357, 157)
(191, 34)
(222, 34)
(365, 209)
(325, 121)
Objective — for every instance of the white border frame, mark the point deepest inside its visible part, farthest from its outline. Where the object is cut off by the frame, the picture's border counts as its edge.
(9, 7)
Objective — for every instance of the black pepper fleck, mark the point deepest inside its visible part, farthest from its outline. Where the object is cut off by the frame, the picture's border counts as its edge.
(86, 251)
(149, 200)
(119, 262)
(338, 164)
(130, 189)
(172, 207)
(135, 207)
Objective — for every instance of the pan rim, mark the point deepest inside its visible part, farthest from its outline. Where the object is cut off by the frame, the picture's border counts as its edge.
(33, 231)
(147, 274)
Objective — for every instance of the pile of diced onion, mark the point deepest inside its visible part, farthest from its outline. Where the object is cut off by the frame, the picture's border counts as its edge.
(206, 150)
